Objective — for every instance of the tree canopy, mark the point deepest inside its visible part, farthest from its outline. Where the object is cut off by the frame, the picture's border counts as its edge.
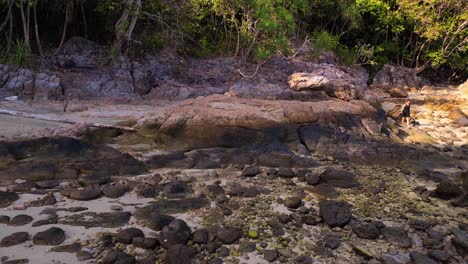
(425, 34)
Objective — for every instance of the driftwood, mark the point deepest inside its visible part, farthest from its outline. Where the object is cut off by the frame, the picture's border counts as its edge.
(51, 119)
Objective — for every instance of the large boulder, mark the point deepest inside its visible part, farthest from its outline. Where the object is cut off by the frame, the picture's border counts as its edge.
(335, 213)
(391, 76)
(223, 121)
(340, 82)
(78, 52)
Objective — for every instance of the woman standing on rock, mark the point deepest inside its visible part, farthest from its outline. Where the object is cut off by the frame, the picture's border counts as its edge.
(405, 113)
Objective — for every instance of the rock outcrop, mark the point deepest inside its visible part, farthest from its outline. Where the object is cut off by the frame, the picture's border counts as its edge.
(339, 82)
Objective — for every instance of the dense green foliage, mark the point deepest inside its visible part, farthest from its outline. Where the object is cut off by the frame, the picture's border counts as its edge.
(419, 34)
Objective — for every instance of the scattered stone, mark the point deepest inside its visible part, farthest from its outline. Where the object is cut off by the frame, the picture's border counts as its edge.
(286, 173)
(7, 198)
(335, 214)
(52, 236)
(338, 178)
(179, 254)
(94, 178)
(49, 221)
(439, 255)
(312, 178)
(148, 191)
(69, 248)
(175, 188)
(309, 220)
(113, 256)
(419, 224)
(397, 236)
(270, 255)
(16, 261)
(48, 199)
(146, 243)
(152, 219)
(116, 207)
(224, 252)
(293, 202)
(114, 191)
(126, 235)
(20, 220)
(332, 242)
(86, 194)
(247, 247)
(177, 232)
(92, 219)
(360, 249)
(83, 255)
(460, 241)
(251, 171)
(229, 234)
(304, 260)
(14, 239)
(4, 219)
(25, 186)
(419, 258)
(48, 184)
(448, 190)
(200, 236)
(368, 231)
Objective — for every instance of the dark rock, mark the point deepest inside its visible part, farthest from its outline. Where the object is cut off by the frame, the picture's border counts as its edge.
(309, 220)
(200, 236)
(312, 178)
(83, 255)
(114, 256)
(14, 239)
(224, 252)
(20, 220)
(177, 232)
(270, 255)
(180, 254)
(286, 173)
(49, 184)
(94, 178)
(6, 198)
(302, 172)
(419, 258)
(368, 231)
(211, 247)
(148, 191)
(229, 234)
(338, 178)
(146, 243)
(247, 247)
(49, 221)
(284, 218)
(23, 187)
(16, 261)
(250, 171)
(419, 224)
(448, 190)
(152, 219)
(293, 202)
(460, 241)
(439, 255)
(52, 236)
(70, 248)
(271, 171)
(304, 260)
(86, 194)
(214, 190)
(92, 219)
(126, 235)
(4, 219)
(48, 199)
(332, 242)
(73, 209)
(114, 191)
(397, 236)
(175, 188)
(335, 214)
(303, 210)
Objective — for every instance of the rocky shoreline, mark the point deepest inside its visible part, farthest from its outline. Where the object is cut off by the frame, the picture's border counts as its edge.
(304, 163)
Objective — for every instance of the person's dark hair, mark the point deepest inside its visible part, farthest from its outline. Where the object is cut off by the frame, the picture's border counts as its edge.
(407, 101)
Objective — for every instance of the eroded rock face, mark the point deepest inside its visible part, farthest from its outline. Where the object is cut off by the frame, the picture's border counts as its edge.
(396, 76)
(62, 158)
(339, 82)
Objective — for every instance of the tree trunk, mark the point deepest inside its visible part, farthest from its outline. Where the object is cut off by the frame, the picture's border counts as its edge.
(426, 65)
(84, 19)
(5, 22)
(65, 25)
(25, 25)
(120, 29)
(36, 29)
